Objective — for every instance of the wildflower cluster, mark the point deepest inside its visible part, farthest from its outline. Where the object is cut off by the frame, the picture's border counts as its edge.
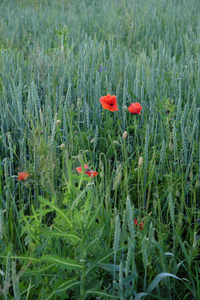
(110, 102)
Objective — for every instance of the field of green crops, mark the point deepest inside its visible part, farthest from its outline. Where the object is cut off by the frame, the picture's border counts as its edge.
(97, 200)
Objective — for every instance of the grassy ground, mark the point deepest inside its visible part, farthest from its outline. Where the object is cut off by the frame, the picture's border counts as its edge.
(132, 231)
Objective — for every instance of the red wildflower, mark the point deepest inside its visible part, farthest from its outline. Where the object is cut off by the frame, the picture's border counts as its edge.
(89, 172)
(23, 176)
(141, 224)
(135, 108)
(109, 102)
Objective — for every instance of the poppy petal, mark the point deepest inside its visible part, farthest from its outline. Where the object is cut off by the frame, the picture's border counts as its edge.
(89, 172)
(79, 169)
(22, 176)
(109, 102)
(135, 108)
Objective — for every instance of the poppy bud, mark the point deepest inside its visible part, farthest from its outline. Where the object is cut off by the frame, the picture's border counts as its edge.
(125, 134)
(58, 122)
(125, 108)
(140, 161)
(62, 147)
(92, 141)
(195, 62)
(116, 143)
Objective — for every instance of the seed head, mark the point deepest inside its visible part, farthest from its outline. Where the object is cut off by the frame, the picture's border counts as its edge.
(125, 135)
(140, 161)
(62, 147)
(125, 108)
(116, 143)
(58, 122)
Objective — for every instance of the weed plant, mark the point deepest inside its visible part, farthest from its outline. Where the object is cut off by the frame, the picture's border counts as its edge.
(132, 231)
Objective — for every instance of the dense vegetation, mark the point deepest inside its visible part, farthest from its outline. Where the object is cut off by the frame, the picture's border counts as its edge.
(132, 231)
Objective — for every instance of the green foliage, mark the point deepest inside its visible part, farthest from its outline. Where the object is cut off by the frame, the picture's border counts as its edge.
(132, 231)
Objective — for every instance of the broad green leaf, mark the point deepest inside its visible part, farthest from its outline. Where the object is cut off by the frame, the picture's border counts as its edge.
(64, 235)
(154, 283)
(59, 211)
(157, 279)
(64, 263)
(72, 283)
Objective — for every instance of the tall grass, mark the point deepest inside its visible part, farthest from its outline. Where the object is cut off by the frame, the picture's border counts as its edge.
(65, 235)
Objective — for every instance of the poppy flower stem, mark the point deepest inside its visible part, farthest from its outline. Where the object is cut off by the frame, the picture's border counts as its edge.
(136, 130)
(126, 168)
(104, 120)
(151, 171)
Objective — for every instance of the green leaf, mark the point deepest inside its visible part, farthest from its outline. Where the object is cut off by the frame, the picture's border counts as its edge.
(183, 248)
(72, 283)
(59, 211)
(89, 187)
(154, 283)
(67, 285)
(60, 234)
(140, 295)
(107, 256)
(107, 267)
(98, 293)
(36, 272)
(21, 257)
(157, 279)
(64, 263)
(27, 290)
(94, 217)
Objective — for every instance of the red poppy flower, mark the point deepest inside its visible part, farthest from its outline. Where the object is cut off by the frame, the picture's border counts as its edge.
(23, 176)
(135, 108)
(109, 102)
(89, 172)
(141, 224)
